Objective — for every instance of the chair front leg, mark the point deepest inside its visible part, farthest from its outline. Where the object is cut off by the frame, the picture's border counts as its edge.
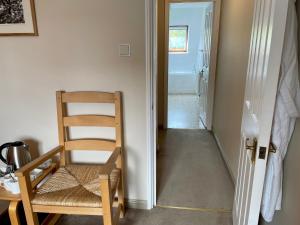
(13, 212)
(106, 200)
(26, 194)
(121, 196)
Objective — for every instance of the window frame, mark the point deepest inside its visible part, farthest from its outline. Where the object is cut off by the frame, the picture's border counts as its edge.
(186, 49)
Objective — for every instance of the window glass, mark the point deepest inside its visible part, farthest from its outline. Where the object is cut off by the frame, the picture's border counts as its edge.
(178, 38)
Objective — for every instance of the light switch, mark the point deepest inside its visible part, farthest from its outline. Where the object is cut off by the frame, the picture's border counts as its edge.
(124, 50)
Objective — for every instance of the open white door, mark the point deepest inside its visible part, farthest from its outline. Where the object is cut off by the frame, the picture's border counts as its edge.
(263, 72)
(204, 76)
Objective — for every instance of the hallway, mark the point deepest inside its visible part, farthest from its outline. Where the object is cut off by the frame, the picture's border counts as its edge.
(191, 171)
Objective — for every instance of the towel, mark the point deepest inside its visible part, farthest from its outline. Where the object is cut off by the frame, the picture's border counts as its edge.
(287, 109)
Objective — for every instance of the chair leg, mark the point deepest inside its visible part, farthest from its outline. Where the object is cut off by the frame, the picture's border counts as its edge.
(13, 213)
(26, 194)
(121, 194)
(31, 218)
(106, 200)
(121, 197)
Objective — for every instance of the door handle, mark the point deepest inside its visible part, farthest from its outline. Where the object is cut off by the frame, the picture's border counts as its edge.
(251, 146)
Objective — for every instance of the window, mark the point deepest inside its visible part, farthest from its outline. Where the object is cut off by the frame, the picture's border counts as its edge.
(178, 39)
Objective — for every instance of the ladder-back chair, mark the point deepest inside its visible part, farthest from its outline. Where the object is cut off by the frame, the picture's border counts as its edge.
(76, 188)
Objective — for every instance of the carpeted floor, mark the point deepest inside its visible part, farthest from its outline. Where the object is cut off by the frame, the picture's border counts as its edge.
(191, 172)
(156, 216)
(3, 206)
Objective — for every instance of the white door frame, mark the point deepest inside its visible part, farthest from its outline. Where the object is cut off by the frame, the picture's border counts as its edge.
(151, 93)
(151, 85)
(212, 64)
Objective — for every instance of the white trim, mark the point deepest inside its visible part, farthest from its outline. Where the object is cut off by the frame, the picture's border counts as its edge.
(225, 158)
(151, 74)
(213, 63)
(166, 63)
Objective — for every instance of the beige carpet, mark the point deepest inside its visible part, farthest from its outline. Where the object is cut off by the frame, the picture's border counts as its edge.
(156, 216)
(191, 172)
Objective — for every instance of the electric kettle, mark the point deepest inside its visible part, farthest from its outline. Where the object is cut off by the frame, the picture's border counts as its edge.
(17, 155)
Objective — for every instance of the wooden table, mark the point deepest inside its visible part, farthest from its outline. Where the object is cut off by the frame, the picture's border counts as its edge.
(15, 200)
(13, 205)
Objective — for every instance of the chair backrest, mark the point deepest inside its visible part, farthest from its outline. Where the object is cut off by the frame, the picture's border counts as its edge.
(65, 121)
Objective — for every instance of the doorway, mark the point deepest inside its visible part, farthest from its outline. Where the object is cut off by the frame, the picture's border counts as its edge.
(189, 45)
(190, 171)
(186, 59)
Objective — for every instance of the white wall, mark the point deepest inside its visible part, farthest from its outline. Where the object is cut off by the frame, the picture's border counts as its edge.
(194, 18)
(234, 43)
(183, 71)
(183, 83)
(77, 49)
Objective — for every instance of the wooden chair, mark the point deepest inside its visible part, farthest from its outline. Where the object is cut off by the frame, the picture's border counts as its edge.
(73, 188)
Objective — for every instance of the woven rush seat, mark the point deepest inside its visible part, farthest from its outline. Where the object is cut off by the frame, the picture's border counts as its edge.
(74, 185)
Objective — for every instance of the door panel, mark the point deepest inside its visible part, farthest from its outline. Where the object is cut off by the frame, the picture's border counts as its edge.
(260, 95)
(203, 94)
(204, 77)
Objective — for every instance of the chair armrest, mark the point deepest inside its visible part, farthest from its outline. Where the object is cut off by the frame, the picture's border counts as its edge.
(44, 174)
(110, 164)
(25, 170)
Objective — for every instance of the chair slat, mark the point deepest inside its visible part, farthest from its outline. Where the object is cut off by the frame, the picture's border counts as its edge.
(89, 120)
(90, 144)
(88, 97)
(71, 210)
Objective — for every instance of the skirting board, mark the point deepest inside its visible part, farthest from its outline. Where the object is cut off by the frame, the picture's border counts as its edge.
(224, 157)
(136, 204)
